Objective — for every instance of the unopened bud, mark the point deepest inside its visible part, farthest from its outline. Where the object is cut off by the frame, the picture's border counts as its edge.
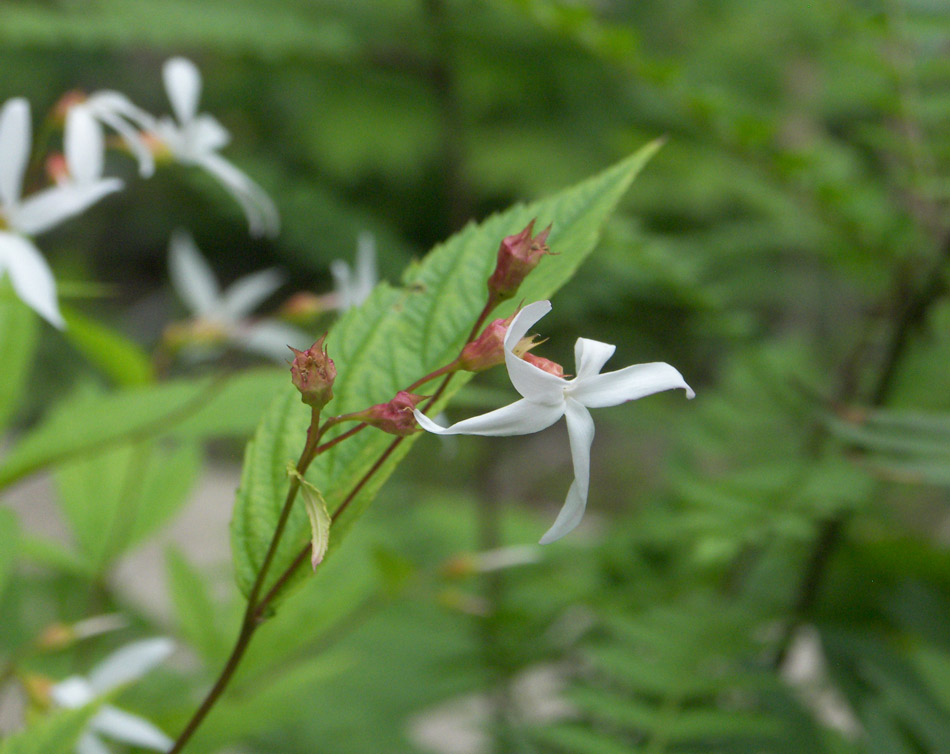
(313, 372)
(57, 169)
(394, 417)
(517, 256)
(488, 349)
(552, 367)
(67, 101)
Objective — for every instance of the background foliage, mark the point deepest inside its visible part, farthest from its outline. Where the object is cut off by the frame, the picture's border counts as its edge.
(764, 569)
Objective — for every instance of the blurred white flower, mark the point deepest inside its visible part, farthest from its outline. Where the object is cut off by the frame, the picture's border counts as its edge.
(194, 138)
(353, 286)
(114, 110)
(22, 217)
(122, 667)
(223, 316)
(547, 397)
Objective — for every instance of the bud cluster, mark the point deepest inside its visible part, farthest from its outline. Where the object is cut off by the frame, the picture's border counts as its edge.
(313, 373)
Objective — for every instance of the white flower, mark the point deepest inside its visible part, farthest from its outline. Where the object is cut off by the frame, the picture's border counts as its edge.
(123, 666)
(116, 111)
(225, 313)
(195, 138)
(546, 398)
(353, 286)
(20, 218)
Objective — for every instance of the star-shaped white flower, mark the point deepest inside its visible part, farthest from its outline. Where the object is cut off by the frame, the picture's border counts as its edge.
(547, 397)
(122, 667)
(23, 217)
(353, 286)
(194, 139)
(226, 314)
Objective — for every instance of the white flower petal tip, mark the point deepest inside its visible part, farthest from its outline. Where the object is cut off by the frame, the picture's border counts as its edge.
(547, 397)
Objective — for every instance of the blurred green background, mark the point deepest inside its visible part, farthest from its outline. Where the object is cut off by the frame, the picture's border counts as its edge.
(786, 250)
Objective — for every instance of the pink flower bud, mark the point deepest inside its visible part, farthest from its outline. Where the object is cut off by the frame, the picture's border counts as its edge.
(517, 256)
(488, 349)
(547, 365)
(313, 372)
(394, 417)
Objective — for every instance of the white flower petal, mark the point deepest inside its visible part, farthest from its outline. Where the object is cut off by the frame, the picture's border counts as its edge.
(48, 208)
(72, 692)
(524, 321)
(83, 144)
(270, 339)
(129, 663)
(261, 213)
(117, 112)
(31, 277)
(191, 275)
(245, 294)
(130, 729)
(637, 381)
(89, 743)
(366, 275)
(533, 383)
(590, 357)
(343, 284)
(183, 85)
(580, 430)
(519, 418)
(15, 139)
(205, 134)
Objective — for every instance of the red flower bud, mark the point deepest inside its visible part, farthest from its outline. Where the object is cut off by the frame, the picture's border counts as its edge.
(517, 256)
(547, 365)
(313, 372)
(488, 349)
(394, 417)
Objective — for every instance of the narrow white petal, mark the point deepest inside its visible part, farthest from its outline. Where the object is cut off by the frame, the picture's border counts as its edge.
(48, 208)
(72, 692)
(524, 321)
(89, 743)
(108, 101)
(130, 729)
(31, 277)
(133, 140)
(191, 275)
(83, 144)
(343, 284)
(519, 418)
(590, 357)
(261, 213)
(366, 274)
(637, 381)
(129, 663)
(15, 139)
(245, 294)
(183, 85)
(580, 430)
(270, 339)
(206, 134)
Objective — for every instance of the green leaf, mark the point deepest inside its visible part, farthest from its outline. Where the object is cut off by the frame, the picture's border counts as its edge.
(187, 409)
(18, 334)
(397, 336)
(9, 538)
(122, 360)
(198, 616)
(58, 732)
(316, 508)
(115, 499)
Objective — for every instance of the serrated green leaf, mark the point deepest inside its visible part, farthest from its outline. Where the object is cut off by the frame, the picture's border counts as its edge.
(187, 409)
(316, 508)
(122, 360)
(18, 334)
(58, 732)
(395, 337)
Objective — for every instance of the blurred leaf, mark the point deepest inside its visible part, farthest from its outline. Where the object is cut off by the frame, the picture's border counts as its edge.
(186, 409)
(197, 615)
(118, 497)
(9, 540)
(18, 335)
(122, 360)
(57, 732)
(394, 338)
